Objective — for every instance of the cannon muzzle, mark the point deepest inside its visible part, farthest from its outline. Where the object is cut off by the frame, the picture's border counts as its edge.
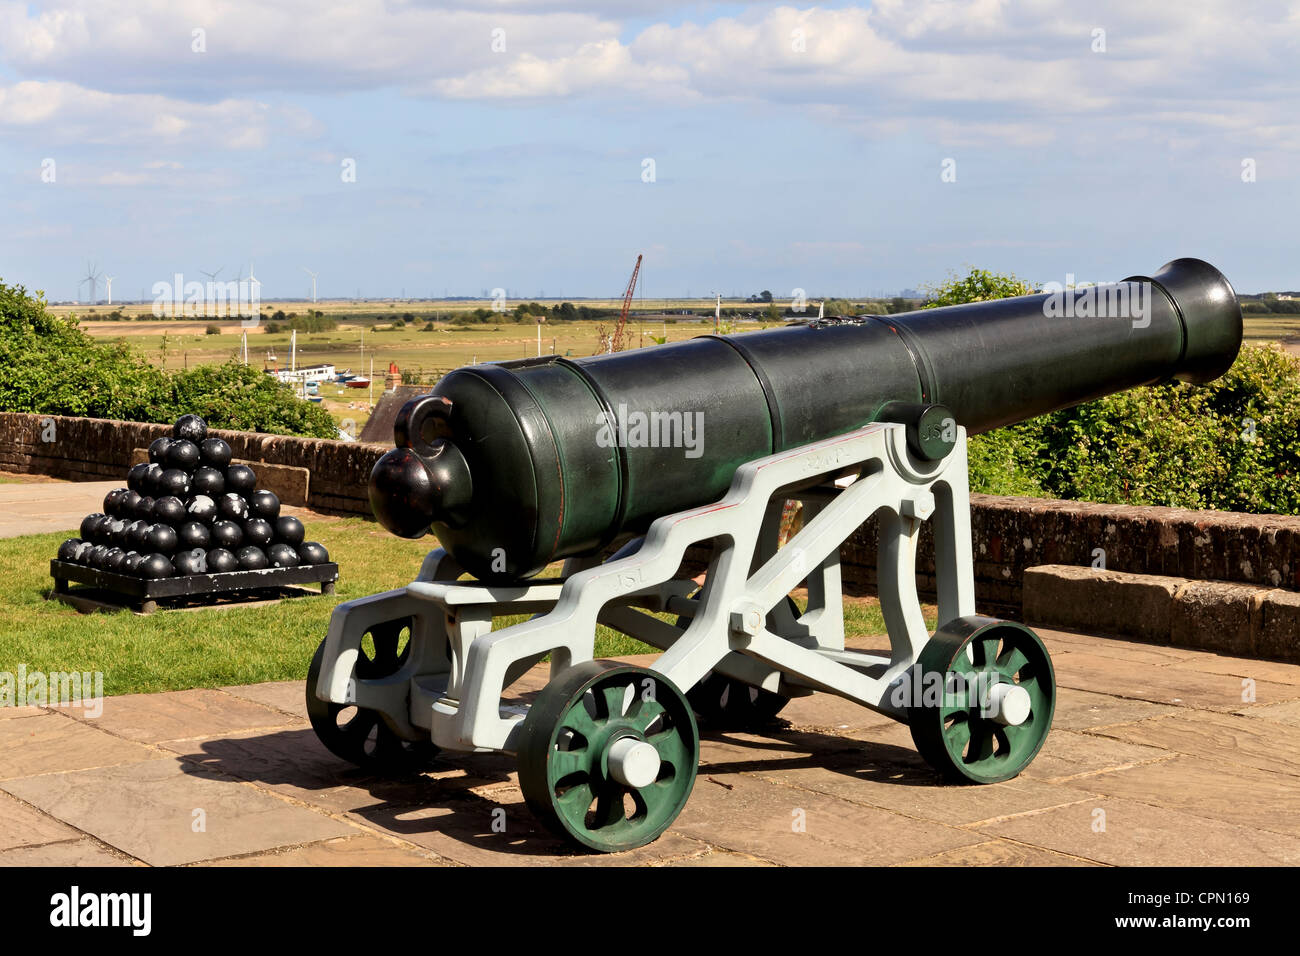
(516, 465)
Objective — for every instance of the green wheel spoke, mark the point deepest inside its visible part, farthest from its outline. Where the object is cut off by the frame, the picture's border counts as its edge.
(609, 808)
(672, 749)
(1011, 661)
(575, 801)
(644, 712)
(565, 762)
(986, 649)
(579, 721)
(981, 742)
(614, 695)
(957, 735)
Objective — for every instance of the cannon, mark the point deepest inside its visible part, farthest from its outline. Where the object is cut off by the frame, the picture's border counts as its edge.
(618, 464)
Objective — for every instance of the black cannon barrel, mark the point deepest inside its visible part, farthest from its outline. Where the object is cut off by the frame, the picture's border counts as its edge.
(516, 465)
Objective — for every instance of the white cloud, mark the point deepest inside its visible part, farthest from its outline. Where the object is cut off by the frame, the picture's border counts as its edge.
(70, 113)
(964, 71)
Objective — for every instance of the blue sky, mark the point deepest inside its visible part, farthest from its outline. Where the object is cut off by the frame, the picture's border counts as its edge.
(793, 146)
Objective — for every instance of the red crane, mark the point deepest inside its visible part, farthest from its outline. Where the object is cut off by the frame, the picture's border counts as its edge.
(616, 342)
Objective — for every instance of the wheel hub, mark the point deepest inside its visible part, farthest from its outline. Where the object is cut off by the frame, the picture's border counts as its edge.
(1007, 704)
(633, 763)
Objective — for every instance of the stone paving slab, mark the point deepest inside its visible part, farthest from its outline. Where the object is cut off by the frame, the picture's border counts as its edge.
(69, 853)
(1163, 685)
(151, 718)
(361, 850)
(151, 811)
(1183, 767)
(1206, 788)
(1226, 738)
(51, 742)
(1138, 834)
(39, 507)
(999, 853)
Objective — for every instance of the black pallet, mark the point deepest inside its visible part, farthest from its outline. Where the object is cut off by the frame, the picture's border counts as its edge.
(147, 592)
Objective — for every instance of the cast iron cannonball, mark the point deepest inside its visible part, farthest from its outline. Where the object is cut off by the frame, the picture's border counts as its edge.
(220, 561)
(68, 550)
(207, 481)
(194, 534)
(264, 504)
(215, 452)
(113, 502)
(137, 535)
(129, 505)
(96, 556)
(194, 561)
(183, 455)
(98, 530)
(240, 478)
(174, 481)
(117, 531)
(202, 508)
(169, 510)
(143, 509)
(89, 524)
(313, 552)
(252, 558)
(258, 532)
(131, 563)
(190, 428)
(113, 559)
(135, 477)
(162, 539)
(283, 556)
(289, 530)
(82, 554)
(158, 450)
(155, 566)
(149, 484)
(227, 534)
(232, 507)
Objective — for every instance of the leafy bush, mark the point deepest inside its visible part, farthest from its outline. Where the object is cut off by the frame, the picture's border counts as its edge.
(212, 330)
(52, 367)
(977, 285)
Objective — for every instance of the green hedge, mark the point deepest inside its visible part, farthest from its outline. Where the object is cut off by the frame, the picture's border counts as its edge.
(51, 367)
(1231, 445)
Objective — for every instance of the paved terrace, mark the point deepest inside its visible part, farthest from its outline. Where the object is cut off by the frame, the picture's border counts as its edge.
(1155, 759)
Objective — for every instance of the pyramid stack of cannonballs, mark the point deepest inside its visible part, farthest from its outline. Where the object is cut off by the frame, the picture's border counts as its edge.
(190, 511)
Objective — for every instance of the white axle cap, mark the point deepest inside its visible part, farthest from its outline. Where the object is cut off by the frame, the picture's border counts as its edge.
(633, 763)
(1008, 704)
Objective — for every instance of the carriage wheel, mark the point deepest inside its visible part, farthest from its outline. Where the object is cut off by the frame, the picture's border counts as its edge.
(607, 755)
(984, 702)
(356, 734)
(724, 703)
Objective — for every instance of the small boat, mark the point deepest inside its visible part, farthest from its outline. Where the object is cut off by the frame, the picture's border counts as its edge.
(315, 398)
(357, 382)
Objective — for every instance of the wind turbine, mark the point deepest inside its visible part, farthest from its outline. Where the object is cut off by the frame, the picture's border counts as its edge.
(108, 281)
(313, 282)
(91, 278)
(253, 281)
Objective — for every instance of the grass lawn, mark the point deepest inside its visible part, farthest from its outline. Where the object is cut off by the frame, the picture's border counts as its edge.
(177, 650)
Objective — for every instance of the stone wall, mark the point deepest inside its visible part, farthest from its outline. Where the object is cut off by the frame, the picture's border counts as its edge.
(1012, 534)
(92, 449)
